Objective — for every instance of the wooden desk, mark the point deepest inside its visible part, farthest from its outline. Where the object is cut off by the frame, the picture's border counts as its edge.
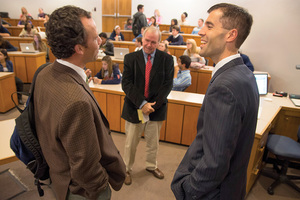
(278, 115)
(6, 154)
(128, 35)
(197, 38)
(183, 28)
(16, 30)
(25, 64)
(97, 65)
(16, 40)
(35, 22)
(7, 87)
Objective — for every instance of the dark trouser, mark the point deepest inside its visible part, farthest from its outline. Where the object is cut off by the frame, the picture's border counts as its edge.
(19, 85)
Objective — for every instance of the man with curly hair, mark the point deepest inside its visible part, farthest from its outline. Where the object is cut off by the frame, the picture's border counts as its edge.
(73, 132)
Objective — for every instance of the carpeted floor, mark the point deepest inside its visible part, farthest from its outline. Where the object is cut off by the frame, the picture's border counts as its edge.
(144, 185)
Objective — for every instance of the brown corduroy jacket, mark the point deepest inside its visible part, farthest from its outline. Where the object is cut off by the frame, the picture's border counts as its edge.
(74, 135)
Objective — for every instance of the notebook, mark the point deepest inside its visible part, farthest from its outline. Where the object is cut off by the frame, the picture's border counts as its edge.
(27, 48)
(119, 53)
(262, 83)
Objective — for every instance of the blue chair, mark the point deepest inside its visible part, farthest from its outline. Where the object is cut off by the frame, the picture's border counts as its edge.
(285, 149)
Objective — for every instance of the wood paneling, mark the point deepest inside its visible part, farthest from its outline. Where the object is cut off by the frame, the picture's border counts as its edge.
(203, 82)
(7, 87)
(113, 111)
(114, 13)
(190, 120)
(101, 98)
(174, 122)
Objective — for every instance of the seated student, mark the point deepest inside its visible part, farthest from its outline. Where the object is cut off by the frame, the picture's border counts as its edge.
(39, 45)
(128, 25)
(140, 35)
(138, 43)
(157, 16)
(46, 19)
(23, 21)
(106, 46)
(25, 13)
(152, 22)
(163, 46)
(247, 61)
(193, 52)
(7, 66)
(198, 28)
(28, 30)
(116, 35)
(182, 76)
(183, 20)
(3, 31)
(41, 14)
(174, 22)
(4, 23)
(109, 73)
(5, 44)
(175, 38)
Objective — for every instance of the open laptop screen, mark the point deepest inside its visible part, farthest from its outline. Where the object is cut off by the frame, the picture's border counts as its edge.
(262, 83)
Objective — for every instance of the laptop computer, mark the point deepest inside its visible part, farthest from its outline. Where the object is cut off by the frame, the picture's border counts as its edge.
(262, 83)
(119, 53)
(27, 48)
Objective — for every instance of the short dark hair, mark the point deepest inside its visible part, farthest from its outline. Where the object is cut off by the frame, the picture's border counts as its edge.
(102, 34)
(140, 40)
(27, 24)
(65, 30)
(235, 17)
(140, 6)
(176, 28)
(185, 60)
(185, 13)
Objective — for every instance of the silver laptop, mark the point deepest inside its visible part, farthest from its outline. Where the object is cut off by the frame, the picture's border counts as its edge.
(27, 48)
(262, 83)
(119, 53)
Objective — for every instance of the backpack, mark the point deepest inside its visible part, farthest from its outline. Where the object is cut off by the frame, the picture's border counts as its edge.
(24, 141)
(136, 26)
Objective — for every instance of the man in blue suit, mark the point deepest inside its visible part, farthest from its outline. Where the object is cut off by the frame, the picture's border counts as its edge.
(215, 165)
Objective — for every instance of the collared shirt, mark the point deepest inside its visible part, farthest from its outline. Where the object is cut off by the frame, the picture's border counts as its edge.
(175, 36)
(79, 70)
(146, 56)
(223, 62)
(182, 81)
(146, 60)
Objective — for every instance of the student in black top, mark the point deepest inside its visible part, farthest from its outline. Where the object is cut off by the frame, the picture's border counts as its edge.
(106, 45)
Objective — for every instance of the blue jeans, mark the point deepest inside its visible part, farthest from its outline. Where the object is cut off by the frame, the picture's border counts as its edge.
(104, 195)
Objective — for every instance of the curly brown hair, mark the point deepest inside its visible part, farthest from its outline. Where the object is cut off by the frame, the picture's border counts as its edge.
(65, 30)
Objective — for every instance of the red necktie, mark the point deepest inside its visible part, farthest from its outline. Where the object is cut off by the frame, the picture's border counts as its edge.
(147, 76)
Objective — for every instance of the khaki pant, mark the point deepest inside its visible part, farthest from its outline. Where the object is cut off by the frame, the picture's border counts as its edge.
(133, 133)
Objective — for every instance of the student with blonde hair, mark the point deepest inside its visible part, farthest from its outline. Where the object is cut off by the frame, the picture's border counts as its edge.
(193, 52)
(109, 74)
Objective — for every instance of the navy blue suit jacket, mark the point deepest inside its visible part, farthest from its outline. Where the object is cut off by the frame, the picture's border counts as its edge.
(215, 165)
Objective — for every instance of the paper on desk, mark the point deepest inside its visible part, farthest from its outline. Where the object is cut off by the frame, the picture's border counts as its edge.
(142, 117)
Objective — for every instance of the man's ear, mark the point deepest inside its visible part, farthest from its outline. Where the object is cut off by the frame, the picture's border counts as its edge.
(79, 49)
(232, 35)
